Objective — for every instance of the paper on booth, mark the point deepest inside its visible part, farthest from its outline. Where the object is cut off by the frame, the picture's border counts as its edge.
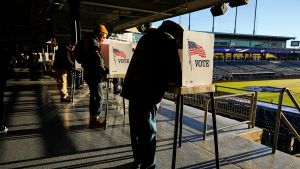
(197, 58)
(117, 55)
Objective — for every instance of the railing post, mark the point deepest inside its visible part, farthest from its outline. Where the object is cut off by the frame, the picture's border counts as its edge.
(277, 124)
(254, 110)
(293, 100)
(251, 119)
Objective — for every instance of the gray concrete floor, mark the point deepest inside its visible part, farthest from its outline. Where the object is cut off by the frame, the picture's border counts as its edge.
(45, 133)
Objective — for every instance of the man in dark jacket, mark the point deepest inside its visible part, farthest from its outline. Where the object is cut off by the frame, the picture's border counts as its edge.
(5, 54)
(155, 64)
(63, 63)
(94, 72)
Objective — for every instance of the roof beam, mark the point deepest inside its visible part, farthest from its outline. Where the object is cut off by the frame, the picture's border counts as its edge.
(123, 8)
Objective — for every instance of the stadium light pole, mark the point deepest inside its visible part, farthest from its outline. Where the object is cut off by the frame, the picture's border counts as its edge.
(189, 21)
(179, 20)
(255, 17)
(236, 10)
(213, 25)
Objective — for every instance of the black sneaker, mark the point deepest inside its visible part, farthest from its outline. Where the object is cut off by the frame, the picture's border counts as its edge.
(97, 123)
(78, 87)
(136, 164)
(117, 91)
(3, 130)
(65, 99)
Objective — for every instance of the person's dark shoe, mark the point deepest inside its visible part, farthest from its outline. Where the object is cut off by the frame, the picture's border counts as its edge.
(135, 165)
(3, 130)
(78, 87)
(117, 91)
(97, 123)
(65, 99)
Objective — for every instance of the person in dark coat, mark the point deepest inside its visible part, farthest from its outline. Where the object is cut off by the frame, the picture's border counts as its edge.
(33, 64)
(154, 66)
(94, 72)
(5, 54)
(63, 63)
(116, 86)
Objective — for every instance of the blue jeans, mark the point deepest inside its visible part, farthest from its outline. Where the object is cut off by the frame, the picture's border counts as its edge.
(143, 133)
(96, 98)
(78, 78)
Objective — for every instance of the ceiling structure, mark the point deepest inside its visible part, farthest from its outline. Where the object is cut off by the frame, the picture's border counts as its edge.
(39, 20)
(121, 14)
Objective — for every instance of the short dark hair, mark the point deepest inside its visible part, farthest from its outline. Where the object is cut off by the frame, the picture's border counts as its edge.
(174, 29)
(171, 27)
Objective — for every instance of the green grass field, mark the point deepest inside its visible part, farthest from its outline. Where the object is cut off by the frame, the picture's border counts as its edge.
(292, 84)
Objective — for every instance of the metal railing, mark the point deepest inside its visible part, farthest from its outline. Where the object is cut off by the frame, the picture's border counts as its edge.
(280, 116)
(241, 106)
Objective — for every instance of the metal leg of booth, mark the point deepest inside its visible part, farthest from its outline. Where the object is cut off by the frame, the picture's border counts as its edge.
(180, 123)
(178, 103)
(124, 111)
(107, 98)
(205, 122)
(72, 88)
(179, 114)
(214, 119)
(106, 105)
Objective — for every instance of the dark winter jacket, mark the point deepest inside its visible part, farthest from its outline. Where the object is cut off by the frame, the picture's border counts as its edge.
(94, 68)
(155, 63)
(5, 66)
(64, 58)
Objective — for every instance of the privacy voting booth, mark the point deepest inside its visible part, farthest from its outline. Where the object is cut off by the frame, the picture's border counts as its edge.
(196, 58)
(117, 56)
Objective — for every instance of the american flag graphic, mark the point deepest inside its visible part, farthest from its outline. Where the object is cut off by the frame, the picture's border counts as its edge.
(195, 49)
(118, 52)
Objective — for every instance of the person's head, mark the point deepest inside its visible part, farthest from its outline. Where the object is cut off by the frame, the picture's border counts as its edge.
(101, 32)
(174, 29)
(71, 45)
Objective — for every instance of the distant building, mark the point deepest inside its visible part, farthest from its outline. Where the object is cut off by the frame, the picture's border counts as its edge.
(230, 46)
(254, 47)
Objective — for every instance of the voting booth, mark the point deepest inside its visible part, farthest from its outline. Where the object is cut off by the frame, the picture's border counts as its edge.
(196, 58)
(117, 56)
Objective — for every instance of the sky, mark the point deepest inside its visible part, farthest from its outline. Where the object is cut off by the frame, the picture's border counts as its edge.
(273, 17)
